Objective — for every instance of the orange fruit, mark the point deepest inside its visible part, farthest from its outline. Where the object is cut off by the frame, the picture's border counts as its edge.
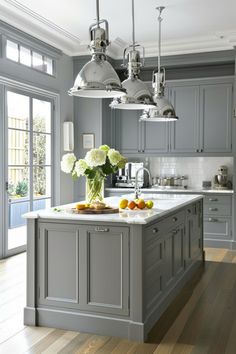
(141, 204)
(123, 203)
(131, 204)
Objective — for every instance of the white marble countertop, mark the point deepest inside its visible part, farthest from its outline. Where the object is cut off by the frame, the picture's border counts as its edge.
(172, 191)
(163, 205)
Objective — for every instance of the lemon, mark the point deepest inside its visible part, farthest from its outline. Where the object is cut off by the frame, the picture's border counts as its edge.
(123, 203)
(80, 206)
(149, 204)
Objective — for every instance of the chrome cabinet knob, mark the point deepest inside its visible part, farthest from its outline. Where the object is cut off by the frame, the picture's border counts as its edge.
(174, 219)
(155, 230)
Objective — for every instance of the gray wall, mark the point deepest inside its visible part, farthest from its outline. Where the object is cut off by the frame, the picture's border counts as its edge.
(58, 84)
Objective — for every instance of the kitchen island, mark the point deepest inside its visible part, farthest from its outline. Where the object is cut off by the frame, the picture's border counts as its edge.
(111, 274)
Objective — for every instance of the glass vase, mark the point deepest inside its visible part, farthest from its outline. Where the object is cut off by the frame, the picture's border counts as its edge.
(95, 189)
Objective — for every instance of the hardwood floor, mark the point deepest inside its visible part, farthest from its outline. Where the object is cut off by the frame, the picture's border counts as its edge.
(201, 320)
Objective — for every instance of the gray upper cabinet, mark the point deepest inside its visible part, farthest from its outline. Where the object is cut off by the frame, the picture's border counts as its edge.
(127, 131)
(155, 137)
(216, 117)
(185, 132)
(204, 108)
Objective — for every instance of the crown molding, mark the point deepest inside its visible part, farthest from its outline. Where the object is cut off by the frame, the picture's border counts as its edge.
(23, 18)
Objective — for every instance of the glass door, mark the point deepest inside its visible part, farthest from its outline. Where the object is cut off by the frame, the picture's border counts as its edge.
(29, 162)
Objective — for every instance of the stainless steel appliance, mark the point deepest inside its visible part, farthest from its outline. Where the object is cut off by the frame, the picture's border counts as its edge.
(221, 180)
(125, 177)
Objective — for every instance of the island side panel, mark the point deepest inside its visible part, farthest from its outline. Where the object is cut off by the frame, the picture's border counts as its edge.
(136, 328)
(30, 309)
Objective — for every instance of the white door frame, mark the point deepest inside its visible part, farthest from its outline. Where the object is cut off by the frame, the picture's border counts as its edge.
(32, 91)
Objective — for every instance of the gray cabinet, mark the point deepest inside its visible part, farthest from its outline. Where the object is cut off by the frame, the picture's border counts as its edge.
(204, 108)
(184, 134)
(217, 219)
(194, 229)
(107, 269)
(84, 267)
(216, 117)
(58, 256)
(127, 131)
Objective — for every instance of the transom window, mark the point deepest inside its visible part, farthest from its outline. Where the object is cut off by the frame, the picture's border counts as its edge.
(29, 57)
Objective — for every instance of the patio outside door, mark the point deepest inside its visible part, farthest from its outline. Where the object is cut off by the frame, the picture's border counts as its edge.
(29, 162)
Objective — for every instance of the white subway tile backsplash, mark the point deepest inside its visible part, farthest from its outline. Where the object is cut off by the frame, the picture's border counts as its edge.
(197, 169)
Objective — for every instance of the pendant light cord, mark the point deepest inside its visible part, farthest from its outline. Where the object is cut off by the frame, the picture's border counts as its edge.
(160, 9)
(133, 26)
(98, 15)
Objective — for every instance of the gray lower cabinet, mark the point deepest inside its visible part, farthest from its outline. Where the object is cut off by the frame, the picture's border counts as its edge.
(107, 269)
(217, 219)
(84, 267)
(171, 246)
(58, 268)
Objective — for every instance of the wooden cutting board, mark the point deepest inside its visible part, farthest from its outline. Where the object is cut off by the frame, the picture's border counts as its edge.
(107, 210)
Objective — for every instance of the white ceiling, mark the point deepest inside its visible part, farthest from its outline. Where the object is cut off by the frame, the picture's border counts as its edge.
(188, 26)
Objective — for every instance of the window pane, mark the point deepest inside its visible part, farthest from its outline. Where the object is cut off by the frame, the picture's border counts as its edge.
(25, 56)
(38, 61)
(49, 65)
(17, 110)
(41, 149)
(12, 50)
(41, 204)
(41, 116)
(42, 181)
(18, 147)
(18, 182)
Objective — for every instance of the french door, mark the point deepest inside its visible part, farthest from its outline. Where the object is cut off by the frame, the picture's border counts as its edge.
(29, 167)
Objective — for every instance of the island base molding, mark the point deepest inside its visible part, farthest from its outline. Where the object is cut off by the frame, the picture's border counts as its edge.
(227, 244)
(124, 328)
(74, 321)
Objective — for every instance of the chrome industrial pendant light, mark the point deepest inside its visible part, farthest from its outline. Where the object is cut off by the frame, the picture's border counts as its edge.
(163, 111)
(138, 95)
(97, 78)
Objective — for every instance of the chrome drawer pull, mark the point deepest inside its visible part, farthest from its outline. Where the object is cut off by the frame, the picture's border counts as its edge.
(212, 220)
(213, 200)
(174, 219)
(155, 230)
(98, 229)
(213, 209)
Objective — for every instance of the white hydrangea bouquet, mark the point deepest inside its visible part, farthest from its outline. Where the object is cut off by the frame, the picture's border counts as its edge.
(96, 166)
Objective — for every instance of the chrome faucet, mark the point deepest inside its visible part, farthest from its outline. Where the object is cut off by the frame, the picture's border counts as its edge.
(136, 187)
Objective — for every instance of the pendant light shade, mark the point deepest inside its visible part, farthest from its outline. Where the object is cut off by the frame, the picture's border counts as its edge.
(97, 78)
(163, 111)
(138, 95)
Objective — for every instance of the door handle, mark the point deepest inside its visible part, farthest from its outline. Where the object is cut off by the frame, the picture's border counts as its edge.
(100, 229)
(213, 209)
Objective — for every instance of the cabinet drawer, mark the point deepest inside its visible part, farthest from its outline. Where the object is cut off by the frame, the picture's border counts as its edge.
(217, 209)
(217, 199)
(217, 228)
(175, 220)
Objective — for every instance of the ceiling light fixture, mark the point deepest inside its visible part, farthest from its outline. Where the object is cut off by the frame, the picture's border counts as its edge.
(138, 95)
(97, 78)
(163, 111)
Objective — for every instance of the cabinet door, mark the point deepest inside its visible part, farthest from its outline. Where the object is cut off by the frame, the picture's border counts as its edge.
(58, 256)
(107, 261)
(185, 132)
(178, 251)
(216, 117)
(127, 131)
(155, 137)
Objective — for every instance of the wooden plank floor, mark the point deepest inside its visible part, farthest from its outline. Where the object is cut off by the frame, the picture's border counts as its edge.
(201, 320)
